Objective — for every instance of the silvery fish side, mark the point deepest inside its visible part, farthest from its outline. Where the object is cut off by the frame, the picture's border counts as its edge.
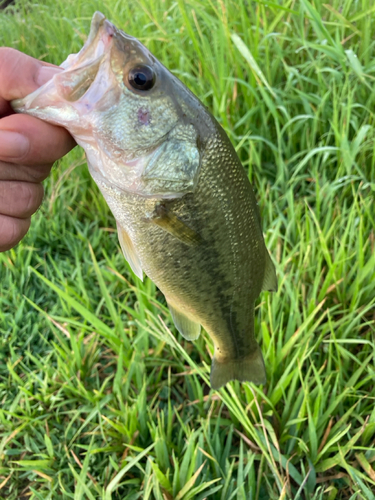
(185, 210)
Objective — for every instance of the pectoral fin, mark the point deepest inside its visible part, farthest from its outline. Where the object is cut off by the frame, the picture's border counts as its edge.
(129, 252)
(270, 279)
(188, 328)
(169, 221)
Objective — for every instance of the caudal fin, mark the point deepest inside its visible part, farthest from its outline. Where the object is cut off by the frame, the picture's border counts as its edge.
(250, 368)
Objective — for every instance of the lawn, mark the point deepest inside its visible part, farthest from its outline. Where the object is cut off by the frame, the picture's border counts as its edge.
(100, 397)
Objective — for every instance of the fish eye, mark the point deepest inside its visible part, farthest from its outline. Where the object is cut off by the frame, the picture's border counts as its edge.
(141, 77)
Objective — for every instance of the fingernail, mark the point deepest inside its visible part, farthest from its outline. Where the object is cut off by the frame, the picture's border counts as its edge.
(13, 145)
(46, 73)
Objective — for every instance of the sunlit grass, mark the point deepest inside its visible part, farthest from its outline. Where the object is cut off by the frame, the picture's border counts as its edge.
(100, 397)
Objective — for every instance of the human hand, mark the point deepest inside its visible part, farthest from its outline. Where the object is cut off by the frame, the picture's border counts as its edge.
(28, 146)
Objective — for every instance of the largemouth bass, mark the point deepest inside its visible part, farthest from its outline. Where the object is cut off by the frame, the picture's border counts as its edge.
(185, 210)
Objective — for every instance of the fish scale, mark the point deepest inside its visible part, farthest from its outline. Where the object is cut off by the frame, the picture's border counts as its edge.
(185, 210)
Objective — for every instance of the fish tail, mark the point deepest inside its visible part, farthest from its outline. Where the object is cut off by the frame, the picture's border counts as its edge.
(250, 368)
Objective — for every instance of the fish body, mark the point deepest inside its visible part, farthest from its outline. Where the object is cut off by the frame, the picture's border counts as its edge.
(185, 210)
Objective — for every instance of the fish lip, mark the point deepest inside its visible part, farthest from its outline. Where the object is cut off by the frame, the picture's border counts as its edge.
(24, 104)
(97, 22)
(101, 30)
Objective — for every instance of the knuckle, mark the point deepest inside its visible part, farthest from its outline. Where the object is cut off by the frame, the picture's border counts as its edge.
(20, 199)
(39, 173)
(30, 197)
(12, 230)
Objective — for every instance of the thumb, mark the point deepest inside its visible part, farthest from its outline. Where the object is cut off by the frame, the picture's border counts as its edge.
(21, 74)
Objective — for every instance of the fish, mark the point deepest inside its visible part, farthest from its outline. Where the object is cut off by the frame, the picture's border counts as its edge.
(185, 210)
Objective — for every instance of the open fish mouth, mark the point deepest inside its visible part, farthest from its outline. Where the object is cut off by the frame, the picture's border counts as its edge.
(80, 70)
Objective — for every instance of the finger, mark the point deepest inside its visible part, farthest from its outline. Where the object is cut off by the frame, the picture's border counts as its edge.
(5, 108)
(15, 83)
(12, 231)
(21, 74)
(36, 173)
(29, 141)
(20, 199)
(37, 142)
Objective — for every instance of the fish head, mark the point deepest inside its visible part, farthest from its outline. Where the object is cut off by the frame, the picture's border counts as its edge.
(121, 104)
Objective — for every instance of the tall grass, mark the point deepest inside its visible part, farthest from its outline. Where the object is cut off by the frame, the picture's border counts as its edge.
(100, 397)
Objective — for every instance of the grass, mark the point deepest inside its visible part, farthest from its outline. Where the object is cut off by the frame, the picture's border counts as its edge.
(99, 399)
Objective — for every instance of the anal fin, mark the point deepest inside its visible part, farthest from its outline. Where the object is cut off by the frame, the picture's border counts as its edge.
(270, 279)
(129, 251)
(189, 329)
(248, 368)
